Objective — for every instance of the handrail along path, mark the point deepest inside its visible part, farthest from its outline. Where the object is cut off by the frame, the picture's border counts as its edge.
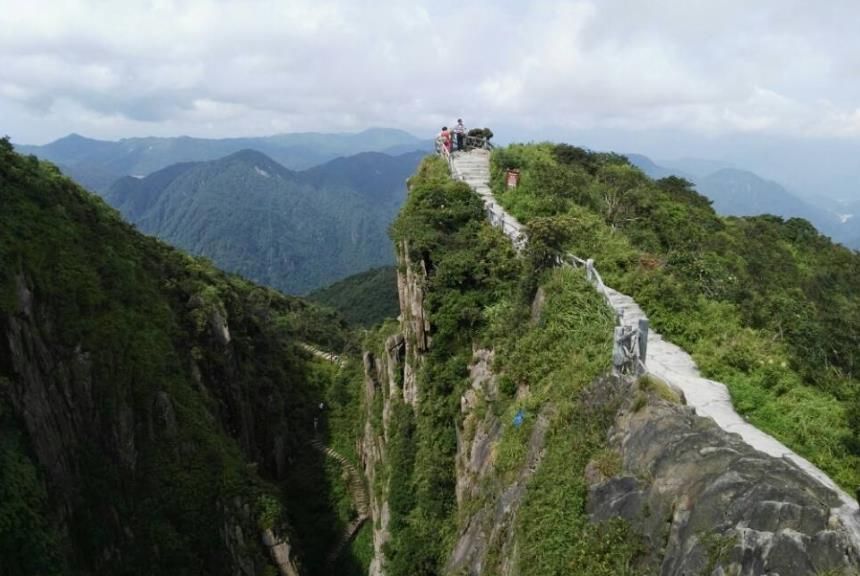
(665, 360)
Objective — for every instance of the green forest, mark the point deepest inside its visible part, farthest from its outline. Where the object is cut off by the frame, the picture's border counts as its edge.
(766, 305)
(365, 299)
(479, 294)
(292, 231)
(179, 396)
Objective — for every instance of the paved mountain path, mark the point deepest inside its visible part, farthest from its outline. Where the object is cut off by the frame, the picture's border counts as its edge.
(322, 354)
(665, 360)
(358, 494)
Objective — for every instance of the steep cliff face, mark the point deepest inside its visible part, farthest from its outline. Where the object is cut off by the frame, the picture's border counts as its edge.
(706, 502)
(544, 463)
(415, 326)
(390, 384)
(97, 444)
(153, 409)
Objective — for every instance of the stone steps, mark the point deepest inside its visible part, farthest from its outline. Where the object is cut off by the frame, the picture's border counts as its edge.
(667, 361)
(360, 500)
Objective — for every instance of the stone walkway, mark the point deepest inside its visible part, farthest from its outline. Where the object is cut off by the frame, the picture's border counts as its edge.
(360, 500)
(665, 360)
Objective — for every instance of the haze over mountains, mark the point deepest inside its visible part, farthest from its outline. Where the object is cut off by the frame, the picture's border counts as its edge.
(96, 164)
(243, 203)
(736, 192)
(300, 211)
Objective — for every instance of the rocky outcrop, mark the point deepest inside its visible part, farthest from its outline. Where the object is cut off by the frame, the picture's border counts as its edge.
(707, 503)
(282, 555)
(75, 418)
(391, 376)
(490, 528)
(415, 326)
(380, 385)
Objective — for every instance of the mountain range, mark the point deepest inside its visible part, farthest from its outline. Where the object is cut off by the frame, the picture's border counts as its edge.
(292, 230)
(736, 192)
(96, 164)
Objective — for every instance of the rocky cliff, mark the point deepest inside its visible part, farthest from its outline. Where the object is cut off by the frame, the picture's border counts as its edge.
(707, 503)
(155, 413)
(553, 465)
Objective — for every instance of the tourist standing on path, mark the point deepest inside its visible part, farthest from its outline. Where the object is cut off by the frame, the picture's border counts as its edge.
(445, 136)
(460, 132)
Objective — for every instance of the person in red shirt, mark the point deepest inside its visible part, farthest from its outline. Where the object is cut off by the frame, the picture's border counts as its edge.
(445, 136)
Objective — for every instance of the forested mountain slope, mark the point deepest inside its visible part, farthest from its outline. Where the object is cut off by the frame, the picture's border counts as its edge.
(766, 305)
(735, 192)
(98, 163)
(364, 299)
(155, 413)
(294, 231)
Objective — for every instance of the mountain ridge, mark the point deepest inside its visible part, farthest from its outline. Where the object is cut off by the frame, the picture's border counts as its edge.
(293, 230)
(739, 192)
(97, 163)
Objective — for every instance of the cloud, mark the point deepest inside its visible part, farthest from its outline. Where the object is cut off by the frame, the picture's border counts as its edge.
(218, 68)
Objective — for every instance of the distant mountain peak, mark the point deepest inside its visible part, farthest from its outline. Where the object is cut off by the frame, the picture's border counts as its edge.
(257, 161)
(74, 138)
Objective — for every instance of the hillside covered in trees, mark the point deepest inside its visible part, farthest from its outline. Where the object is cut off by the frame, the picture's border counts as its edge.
(364, 299)
(155, 413)
(766, 305)
(293, 231)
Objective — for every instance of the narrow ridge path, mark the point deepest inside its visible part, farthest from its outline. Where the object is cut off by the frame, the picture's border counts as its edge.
(665, 360)
(322, 354)
(358, 494)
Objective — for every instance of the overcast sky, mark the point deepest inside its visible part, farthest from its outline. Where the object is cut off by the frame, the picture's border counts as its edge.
(686, 68)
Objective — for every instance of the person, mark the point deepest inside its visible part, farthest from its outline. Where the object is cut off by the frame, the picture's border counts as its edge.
(460, 133)
(445, 136)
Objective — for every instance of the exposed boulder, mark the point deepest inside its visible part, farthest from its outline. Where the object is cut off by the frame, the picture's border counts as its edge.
(707, 503)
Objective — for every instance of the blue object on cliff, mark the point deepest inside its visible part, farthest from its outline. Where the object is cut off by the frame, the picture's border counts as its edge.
(518, 419)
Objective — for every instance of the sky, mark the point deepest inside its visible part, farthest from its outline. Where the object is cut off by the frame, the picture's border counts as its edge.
(662, 77)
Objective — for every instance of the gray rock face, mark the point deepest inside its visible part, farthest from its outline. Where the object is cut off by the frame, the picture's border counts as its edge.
(62, 409)
(411, 278)
(392, 376)
(490, 527)
(381, 375)
(707, 503)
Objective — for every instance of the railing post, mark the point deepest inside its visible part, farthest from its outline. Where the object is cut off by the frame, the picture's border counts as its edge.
(643, 339)
(618, 351)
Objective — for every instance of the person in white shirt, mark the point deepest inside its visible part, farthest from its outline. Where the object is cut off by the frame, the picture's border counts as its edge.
(460, 133)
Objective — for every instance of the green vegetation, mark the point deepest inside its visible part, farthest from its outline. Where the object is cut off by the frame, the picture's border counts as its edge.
(293, 231)
(364, 299)
(470, 266)
(28, 544)
(555, 359)
(479, 293)
(177, 431)
(767, 306)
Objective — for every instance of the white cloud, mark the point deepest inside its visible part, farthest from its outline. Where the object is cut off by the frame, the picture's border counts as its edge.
(217, 68)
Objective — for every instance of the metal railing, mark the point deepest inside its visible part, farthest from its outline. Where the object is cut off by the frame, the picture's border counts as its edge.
(630, 344)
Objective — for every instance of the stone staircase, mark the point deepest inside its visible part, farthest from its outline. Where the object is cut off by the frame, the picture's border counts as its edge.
(358, 494)
(473, 168)
(322, 354)
(665, 360)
